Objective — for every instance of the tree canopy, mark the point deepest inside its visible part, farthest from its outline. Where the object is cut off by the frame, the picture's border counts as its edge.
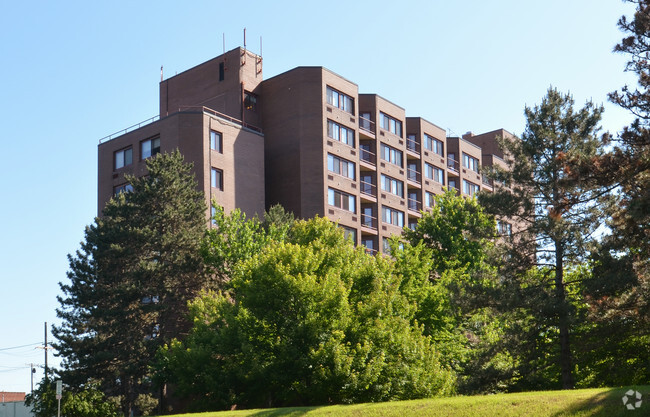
(130, 282)
(310, 320)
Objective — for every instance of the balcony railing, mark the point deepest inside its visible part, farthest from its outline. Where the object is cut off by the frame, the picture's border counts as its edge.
(368, 188)
(371, 251)
(413, 175)
(367, 125)
(487, 181)
(367, 156)
(412, 145)
(414, 205)
(453, 164)
(368, 221)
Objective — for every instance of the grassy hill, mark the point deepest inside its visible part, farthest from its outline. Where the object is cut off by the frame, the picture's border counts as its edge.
(605, 402)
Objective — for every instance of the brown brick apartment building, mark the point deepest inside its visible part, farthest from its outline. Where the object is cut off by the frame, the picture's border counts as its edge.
(306, 139)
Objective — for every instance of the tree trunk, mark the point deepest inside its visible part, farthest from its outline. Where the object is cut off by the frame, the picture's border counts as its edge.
(563, 318)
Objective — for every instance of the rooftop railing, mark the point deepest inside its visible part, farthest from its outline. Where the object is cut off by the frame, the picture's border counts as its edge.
(129, 129)
(205, 110)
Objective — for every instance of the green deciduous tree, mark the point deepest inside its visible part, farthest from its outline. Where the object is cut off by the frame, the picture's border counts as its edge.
(455, 291)
(311, 320)
(87, 402)
(555, 210)
(130, 282)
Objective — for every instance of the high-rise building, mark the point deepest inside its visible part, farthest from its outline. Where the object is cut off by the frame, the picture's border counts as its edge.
(306, 139)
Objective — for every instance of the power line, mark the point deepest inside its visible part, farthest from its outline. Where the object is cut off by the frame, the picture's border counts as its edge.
(22, 346)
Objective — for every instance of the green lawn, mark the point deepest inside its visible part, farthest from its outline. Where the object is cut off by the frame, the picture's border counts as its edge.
(605, 402)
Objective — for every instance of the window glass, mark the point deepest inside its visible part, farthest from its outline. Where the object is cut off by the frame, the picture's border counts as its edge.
(391, 155)
(149, 148)
(391, 124)
(341, 200)
(340, 100)
(340, 166)
(123, 158)
(340, 133)
(216, 179)
(216, 141)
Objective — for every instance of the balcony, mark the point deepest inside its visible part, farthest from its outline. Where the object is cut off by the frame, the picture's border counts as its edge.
(414, 205)
(367, 127)
(368, 157)
(453, 165)
(413, 176)
(413, 147)
(368, 221)
(367, 191)
(487, 182)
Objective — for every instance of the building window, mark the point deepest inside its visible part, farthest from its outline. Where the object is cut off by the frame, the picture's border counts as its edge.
(413, 224)
(216, 179)
(434, 173)
(504, 228)
(123, 158)
(470, 162)
(470, 188)
(222, 71)
(350, 233)
(341, 200)
(433, 144)
(428, 199)
(216, 141)
(392, 185)
(340, 166)
(149, 148)
(250, 101)
(392, 216)
(340, 100)
(453, 185)
(124, 188)
(340, 133)
(391, 155)
(386, 122)
(386, 246)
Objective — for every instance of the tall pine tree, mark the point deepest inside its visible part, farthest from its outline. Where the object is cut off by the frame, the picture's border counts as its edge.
(131, 280)
(555, 212)
(619, 296)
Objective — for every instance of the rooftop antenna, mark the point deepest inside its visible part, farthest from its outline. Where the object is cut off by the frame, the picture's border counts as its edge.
(161, 73)
(223, 34)
(244, 38)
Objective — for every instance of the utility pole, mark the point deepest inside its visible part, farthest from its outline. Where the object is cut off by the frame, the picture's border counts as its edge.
(45, 347)
(32, 370)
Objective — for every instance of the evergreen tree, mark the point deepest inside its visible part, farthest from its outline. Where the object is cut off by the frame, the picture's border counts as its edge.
(619, 295)
(130, 282)
(555, 211)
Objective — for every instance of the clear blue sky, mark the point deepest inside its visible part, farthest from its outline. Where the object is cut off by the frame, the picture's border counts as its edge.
(75, 71)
